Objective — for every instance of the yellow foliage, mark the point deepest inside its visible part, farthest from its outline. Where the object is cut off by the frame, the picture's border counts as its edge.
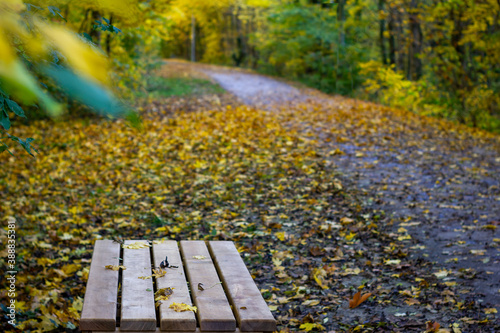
(84, 58)
(181, 307)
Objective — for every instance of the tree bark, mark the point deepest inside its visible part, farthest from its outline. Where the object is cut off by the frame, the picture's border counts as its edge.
(381, 33)
(95, 33)
(414, 63)
(392, 43)
(109, 37)
(193, 38)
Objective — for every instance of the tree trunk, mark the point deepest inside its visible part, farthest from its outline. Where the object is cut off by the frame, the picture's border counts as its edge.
(392, 43)
(414, 62)
(381, 33)
(94, 33)
(193, 38)
(109, 37)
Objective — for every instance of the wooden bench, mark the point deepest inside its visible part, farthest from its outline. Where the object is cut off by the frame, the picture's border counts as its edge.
(218, 284)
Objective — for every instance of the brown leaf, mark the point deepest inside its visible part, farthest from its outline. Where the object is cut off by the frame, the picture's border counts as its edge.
(358, 299)
(432, 327)
(316, 251)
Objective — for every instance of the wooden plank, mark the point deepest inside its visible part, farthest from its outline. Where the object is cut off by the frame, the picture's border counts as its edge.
(176, 279)
(214, 312)
(251, 310)
(101, 295)
(158, 331)
(138, 306)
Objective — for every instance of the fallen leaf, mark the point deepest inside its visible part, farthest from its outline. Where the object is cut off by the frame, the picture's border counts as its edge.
(181, 307)
(490, 311)
(136, 245)
(358, 299)
(115, 267)
(199, 257)
(310, 326)
(432, 327)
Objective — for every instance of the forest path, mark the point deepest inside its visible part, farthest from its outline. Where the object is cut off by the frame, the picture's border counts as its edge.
(439, 184)
(427, 190)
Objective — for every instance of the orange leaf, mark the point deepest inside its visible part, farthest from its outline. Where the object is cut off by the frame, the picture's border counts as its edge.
(432, 327)
(357, 299)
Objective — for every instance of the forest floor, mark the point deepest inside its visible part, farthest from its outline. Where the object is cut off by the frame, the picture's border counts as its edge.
(324, 196)
(431, 184)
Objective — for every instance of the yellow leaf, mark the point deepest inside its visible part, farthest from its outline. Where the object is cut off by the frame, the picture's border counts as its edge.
(199, 257)
(319, 275)
(84, 58)
(310, 326)
(280, 236)
(157, 273)
(115, 267)
(350, 236)
(490, 311)
(181, 307)
(441, 274)
(136, 245)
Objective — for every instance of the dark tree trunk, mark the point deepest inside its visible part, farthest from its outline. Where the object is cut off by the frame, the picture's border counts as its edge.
(414, 66)
(381, 33)
(95, 33)
(109, 37)
(392, 41)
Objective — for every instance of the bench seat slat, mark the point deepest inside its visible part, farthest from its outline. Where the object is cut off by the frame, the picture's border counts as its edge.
(159, 331)
(138, 306)
(176, 279)
(101, 295)
(252, 312)
(214, 312)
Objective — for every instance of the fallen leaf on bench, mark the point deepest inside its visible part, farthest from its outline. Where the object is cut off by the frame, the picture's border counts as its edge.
(115, 267)
(243, 308)
(358, 299)
(157, 273)
(163, 295)
(164, 292)
(199, 257)
(181, 307)
(136, 245)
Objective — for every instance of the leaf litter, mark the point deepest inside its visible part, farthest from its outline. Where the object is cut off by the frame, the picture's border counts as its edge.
(235, 173)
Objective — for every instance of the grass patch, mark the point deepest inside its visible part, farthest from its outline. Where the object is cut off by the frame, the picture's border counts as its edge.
(158, 87)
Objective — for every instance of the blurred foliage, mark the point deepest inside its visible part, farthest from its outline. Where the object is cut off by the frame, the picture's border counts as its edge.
(86, 56)
(433, 57)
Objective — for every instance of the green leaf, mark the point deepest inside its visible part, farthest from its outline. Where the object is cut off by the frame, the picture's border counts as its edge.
(86, 91)
(14, 107)
(25, 143)
(4, 147)
(55, 12)
(4, 119)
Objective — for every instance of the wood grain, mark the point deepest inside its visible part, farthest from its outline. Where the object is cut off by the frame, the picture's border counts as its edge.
(101, 295)
(176, 279)
(214, 312)
(159, 331)
(252, 312)
(138, 306)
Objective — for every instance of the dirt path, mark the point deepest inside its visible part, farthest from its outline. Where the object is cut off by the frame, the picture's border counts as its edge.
(444, 190)
(413, 218)
(256, 90)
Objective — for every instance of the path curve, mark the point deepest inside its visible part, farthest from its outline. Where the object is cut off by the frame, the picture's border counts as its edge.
(454, 193)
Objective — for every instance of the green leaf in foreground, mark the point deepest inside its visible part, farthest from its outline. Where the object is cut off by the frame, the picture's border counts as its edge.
(89, 93)
(25, 143)
(14, 107)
